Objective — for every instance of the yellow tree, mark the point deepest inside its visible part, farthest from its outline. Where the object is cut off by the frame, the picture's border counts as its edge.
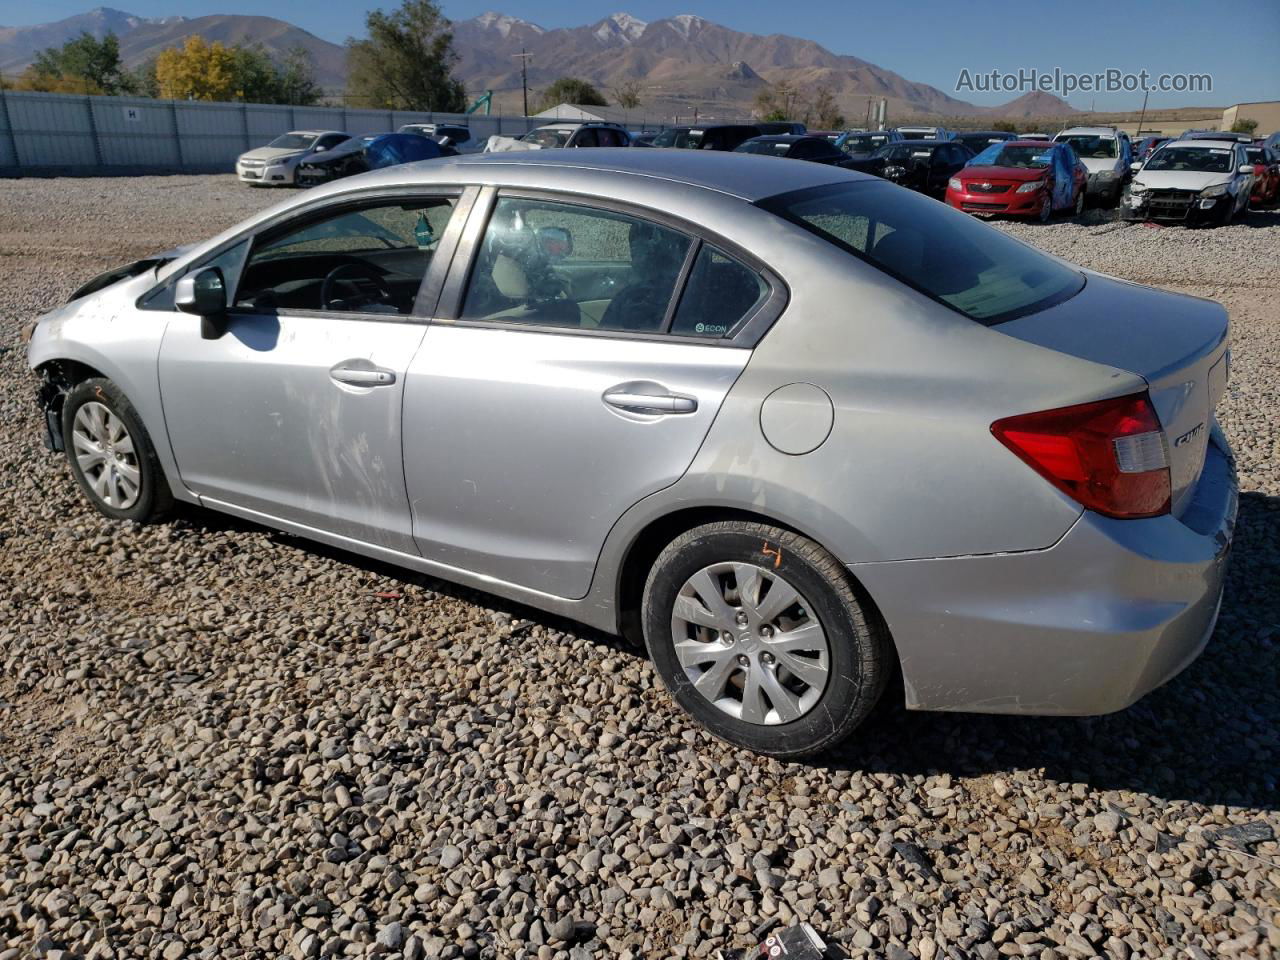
(197, 71)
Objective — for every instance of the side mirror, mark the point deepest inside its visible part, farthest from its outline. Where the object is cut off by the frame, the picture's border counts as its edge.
(205, 295)
(1246, 168)
(1135, 167)
(321, 149)
(556, 242)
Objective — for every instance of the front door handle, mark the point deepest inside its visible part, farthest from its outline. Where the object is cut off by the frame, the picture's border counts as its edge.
(362, 376)
(650, 402)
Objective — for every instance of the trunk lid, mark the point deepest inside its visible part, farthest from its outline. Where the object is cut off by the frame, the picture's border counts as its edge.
(1177, 343)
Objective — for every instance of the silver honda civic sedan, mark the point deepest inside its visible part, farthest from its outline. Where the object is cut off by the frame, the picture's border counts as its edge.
(795, 427)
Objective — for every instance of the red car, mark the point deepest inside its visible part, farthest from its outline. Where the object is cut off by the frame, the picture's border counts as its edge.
(1266, 176)
(1021, 178)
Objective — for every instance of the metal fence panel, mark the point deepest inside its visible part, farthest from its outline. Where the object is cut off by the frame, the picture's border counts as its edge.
(57, 132)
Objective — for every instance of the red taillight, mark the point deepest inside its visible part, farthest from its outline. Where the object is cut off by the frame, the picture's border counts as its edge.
(1109, 455)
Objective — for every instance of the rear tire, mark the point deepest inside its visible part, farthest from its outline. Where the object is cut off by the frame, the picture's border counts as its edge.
(111, 454)
(730, 608)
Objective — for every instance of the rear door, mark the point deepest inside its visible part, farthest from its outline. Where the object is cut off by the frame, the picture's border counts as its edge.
(546, 409)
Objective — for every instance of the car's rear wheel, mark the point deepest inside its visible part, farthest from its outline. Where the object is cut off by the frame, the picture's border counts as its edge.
(761, 636)
(111, 454)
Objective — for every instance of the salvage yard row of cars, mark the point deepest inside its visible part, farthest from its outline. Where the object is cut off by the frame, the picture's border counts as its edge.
(1202, 177)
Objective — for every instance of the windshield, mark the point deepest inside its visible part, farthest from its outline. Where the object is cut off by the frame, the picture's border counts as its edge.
(1192, 159)
(1094, 148)
(1255, 155)
(547, 138)
(918, 134)
(293, 141)
(773, 148)
(970, 267)
(864, 142)
(681, 137)
(998, 155)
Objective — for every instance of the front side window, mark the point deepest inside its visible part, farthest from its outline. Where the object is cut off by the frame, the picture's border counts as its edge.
(565, 265)
(950, 257)
(366, 259)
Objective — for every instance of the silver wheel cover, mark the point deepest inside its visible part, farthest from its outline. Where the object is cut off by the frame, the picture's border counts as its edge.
(105, 455)
(750, 643)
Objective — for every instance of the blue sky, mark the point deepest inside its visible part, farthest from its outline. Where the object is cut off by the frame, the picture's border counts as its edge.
(928, 41)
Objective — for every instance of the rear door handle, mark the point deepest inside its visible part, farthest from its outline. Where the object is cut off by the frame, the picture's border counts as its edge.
(650, 402)
(362, 376)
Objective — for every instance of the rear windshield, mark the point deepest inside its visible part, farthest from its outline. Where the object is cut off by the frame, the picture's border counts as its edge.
(773, 148)
(1093, 148)
(864, 142)
(966, 265)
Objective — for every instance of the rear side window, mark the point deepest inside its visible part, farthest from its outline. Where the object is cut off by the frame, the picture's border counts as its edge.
(719, 294)
(966, 265)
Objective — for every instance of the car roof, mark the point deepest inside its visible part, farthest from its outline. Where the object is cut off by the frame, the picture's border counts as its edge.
(744, 176)
(1091, 131)
(314, 133)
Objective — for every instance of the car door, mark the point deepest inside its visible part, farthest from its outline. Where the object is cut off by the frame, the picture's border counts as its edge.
(294, 412)
(534, 420)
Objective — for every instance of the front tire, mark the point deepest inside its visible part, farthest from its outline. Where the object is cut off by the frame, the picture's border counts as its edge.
(761, 636)
(1078, 210)
(111, 454)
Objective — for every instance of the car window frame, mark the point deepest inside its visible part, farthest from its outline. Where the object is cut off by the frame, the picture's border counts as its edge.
(429, 290)
(746, 333)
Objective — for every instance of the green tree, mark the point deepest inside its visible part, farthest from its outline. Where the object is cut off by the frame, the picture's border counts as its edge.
(296, 79)
(85, 62)
(627, 94)
(141, 80)
(1008, 126)
(571, 90)
(406, 62)
(776, 102)
(1245, 126)
(826, 114)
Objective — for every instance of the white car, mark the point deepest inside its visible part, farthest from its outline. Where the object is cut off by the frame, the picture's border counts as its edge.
(558, 135)
(1191, 181)
(277, 163)
(1106, 153)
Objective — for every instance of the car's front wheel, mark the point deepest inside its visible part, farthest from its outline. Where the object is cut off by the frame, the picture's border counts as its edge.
(759, 633)
(111, 454)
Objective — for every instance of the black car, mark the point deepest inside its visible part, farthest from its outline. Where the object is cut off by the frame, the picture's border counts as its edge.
(370, 153)
(724, 136)
(816, 149)
(979, 140)
(923, 165)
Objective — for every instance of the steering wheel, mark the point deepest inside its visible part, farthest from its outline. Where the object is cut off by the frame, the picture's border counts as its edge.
(358, 275)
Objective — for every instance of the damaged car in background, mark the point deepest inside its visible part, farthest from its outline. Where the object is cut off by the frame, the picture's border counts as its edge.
(1192, 182)
(626, 387)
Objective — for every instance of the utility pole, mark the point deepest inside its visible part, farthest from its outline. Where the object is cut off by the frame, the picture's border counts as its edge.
(524, 75)
(1144, 111)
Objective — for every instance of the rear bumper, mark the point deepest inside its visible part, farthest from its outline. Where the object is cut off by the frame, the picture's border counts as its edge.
(1113, 610)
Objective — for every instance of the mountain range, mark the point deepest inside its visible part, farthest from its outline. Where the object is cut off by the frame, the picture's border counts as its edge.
(678, 63)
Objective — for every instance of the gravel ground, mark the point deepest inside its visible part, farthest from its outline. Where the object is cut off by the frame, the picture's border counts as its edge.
(218, 741)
